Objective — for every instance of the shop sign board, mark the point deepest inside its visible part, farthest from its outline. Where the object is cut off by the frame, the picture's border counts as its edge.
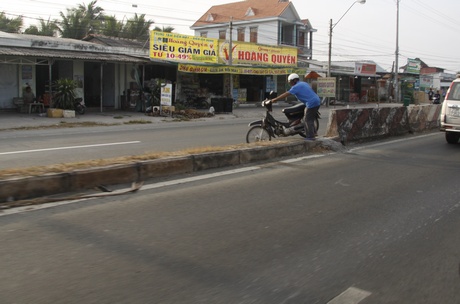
(184, 48)
(365, 68)
(257, 54)
(413, 66)
(192, 49)
(426, 81)
(326, 86)
(166, 95)
(189, 68)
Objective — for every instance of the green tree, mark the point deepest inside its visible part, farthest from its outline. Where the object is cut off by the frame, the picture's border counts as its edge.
(93, 16)
(168, 29)
(81, 21)
(64, 94)
(71, 25)
(111, 27)
(137, 28)
(12, 25)
(48, 28)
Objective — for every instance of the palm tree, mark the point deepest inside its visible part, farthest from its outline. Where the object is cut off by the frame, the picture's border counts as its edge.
(111, 27)
(81, 21)
(12, 25)
(48, 28)
(137, 28)
(168, 29)
(93, 16)
(72, 24)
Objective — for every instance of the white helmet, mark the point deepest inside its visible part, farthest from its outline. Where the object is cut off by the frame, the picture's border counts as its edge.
(293, 76)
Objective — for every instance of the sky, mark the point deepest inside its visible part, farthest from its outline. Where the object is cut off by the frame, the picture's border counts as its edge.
(427, 29)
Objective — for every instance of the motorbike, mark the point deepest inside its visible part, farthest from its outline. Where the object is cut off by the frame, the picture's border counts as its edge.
(436, 99)
(269, 127)
(79, 106)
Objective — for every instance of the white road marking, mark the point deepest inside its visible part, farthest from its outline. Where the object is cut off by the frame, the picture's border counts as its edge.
(71, 147)
(391, 142)
(342, 183)
(352, 295)
(293, 160)
(152, 186)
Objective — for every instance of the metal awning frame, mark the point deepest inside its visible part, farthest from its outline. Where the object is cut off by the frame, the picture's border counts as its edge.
(19, 60)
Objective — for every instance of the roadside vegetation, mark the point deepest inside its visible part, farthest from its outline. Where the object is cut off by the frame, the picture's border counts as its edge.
(82, 20)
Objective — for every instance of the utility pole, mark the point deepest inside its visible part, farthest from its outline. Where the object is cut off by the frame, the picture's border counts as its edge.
(397, 54)
(329, 57)
(230, 56)
(331, 27)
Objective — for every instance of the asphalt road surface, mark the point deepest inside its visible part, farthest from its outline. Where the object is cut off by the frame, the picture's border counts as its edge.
(42, 147)
(378, 224)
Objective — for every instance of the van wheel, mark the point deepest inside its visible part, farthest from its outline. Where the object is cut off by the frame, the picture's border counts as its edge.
(452, 137)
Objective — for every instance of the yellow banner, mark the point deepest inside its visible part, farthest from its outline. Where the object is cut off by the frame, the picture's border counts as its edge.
(189, 68)
(257, 54)
(177, 47)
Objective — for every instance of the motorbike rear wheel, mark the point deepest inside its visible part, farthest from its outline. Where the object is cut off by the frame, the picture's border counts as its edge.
(304, 134)
(256, 134)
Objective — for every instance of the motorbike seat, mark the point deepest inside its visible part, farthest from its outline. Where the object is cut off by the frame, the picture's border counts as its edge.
(300, 107)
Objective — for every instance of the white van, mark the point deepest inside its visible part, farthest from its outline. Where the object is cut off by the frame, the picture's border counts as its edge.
(450, 112)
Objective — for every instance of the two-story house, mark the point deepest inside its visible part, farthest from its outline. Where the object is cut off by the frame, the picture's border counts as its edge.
(272, 22)
(266, 22)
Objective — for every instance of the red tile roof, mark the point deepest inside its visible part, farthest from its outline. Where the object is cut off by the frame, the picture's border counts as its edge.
(237, 10)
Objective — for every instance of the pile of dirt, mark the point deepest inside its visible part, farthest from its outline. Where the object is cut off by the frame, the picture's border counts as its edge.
(182, 114)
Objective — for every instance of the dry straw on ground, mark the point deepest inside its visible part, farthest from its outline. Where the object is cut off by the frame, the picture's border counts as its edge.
(69, 167)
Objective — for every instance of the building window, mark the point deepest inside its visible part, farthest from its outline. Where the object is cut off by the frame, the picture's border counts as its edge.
(210, 18)
(301, 39)
(204, 34)
(222, 35)
(253, 34)
(250, 12)
(240, 34)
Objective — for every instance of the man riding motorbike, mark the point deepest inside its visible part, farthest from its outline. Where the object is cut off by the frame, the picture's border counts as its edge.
(306, 95)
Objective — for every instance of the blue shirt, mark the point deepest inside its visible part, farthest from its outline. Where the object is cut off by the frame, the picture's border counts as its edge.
(305, 94)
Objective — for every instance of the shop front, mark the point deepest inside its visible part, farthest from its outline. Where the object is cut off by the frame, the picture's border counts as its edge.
(207, 69)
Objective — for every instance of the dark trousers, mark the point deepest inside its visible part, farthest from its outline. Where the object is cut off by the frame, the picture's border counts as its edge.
(310, 117)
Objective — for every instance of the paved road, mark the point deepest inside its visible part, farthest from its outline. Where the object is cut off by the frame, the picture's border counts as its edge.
(49, 146)
(379, 223)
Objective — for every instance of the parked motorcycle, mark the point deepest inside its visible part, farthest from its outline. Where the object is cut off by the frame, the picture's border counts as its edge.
(79, 106)
(269, 127)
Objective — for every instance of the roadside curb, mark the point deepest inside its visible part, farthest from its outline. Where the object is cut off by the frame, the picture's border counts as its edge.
(52, 184)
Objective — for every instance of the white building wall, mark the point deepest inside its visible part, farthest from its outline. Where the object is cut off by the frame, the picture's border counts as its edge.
(9, 88)
(267, 32)
(78, 76)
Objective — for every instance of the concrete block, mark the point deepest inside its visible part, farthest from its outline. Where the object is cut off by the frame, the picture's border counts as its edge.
(55, 113)
(166, 167)
(215, 160)
(68, 113)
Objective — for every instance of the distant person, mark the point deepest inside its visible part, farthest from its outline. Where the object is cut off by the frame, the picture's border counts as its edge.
(28, 96)
(430, 95)
(437, 98)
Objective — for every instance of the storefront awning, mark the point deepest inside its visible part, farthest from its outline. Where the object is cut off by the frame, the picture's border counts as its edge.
(6, 54)
(312, 75)
(242, 70)
(338, 72)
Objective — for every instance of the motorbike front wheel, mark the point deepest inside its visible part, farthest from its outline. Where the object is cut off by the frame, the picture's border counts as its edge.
(256, 134)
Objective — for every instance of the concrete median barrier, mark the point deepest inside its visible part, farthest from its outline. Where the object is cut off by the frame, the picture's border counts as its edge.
(60, 183)
(371, 123)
